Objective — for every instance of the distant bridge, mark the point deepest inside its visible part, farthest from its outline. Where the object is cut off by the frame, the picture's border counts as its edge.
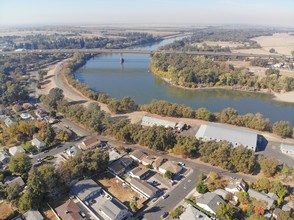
(97, 50)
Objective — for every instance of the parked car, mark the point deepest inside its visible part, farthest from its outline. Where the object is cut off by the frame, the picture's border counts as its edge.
(165, 214)
(165, 196)
(181, 164)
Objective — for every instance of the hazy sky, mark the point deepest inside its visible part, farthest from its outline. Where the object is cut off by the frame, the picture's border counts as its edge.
(259, 12)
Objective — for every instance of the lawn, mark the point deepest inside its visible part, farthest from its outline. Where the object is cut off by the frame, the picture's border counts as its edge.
(125, 194)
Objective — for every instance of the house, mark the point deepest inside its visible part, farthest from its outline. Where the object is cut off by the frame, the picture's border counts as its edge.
(145, 189)
(236, 185)
(8, 121)
(106, 207)
(41, 113)
(69, 211)
(287, 149)
(4, 158)
(33, 215)
(289, 207)
(85, 189)
(73, 151)
(157, 162)
(209, 201)
(89, 143)
(150, 121)
(16, 150)
(139, 173)
(38, 143)
(117, 168)
(137, 155)
(126, 162)
(11, 180)
(261, 196)
(99, 202)
(60, 127)
(276, 212)
(113, 155)
(192, 213)
(236, 136)
(171, 166)
(148, 160)
(25, 116)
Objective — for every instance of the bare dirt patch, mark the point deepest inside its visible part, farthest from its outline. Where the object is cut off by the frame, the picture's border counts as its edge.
(6, 210)
(123, 194)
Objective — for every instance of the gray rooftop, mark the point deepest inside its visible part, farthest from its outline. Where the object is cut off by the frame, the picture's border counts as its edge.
(192, 213)
(33, 215)
(112, 208)
(261, 196)
(144, 187)
(287, 148)
(84, 188)
(236, 136)
(150, 121)
(210, 199)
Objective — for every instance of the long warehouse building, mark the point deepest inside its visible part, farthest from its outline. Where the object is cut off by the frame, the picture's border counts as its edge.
(234, 135)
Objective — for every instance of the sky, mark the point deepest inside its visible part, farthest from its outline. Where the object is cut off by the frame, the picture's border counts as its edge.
(252, 12)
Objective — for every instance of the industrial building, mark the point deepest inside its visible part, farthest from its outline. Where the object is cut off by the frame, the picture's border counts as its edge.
(236, 136)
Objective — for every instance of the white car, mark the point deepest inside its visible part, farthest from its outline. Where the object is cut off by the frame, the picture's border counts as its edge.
(181, 164)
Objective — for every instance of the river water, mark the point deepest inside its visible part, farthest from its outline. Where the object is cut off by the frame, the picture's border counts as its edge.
(105, 74)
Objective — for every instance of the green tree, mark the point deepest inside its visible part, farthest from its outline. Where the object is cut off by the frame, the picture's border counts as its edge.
(228, 115)
(262, 184)
(36, 188)
(203, 114)
(268, 165)
(50, 135)
(243, 197)
(49, 177)
(282, 128)
(20, 163)
(175, 214)
(13, 192)
(201, 187)
(224, 212)
(25, 202)
(55, 95)
(168, 174)
(134, 205)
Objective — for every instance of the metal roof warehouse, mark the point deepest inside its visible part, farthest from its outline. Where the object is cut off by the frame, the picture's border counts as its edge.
(234, 135)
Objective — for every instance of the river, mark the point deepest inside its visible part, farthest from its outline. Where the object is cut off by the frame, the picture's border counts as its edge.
(105, 74)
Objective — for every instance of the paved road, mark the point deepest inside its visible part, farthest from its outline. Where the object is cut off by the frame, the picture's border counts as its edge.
(98, 50)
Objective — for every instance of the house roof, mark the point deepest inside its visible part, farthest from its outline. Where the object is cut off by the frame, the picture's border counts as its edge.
(38, 142)
(260, 196)
(138, 154)
(148, 159)
(33, 215)
(16, 149)
(236, 136)
(112, 208)
(139, 171)
(89, 143)
(192, 213)
(126, 161)
(113, 155)
(116, 167)
(171, 166)
(73, 150)
(158, 161)
(150, 121)
(17, 180)
(144, 187)
(221, 192)
(235, 183)
(69, 211)
(210, 199)
(3, 156)
(84, 188)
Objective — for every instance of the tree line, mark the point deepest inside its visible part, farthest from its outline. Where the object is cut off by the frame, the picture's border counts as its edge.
(197, 71)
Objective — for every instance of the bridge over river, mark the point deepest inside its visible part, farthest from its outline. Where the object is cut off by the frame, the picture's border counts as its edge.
(133, 51)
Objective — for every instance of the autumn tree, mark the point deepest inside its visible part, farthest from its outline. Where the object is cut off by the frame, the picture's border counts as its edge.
(282, 128)
(268, 165)
(225, 212)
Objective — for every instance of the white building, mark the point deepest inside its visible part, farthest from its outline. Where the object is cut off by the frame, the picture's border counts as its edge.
(287, 149)
(16, 150)
(210, 202)
(38, 143)
(150, 121)
(236, 136)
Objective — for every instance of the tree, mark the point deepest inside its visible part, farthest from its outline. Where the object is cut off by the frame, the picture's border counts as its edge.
(282, 128)
(134, 205)
(49, 177)
(203, 114)
(13, 192)
(268, 166)
(20, 163)
(201, 187)
(177, 212)
(272, 50)
(50, 135)
(262, 184)
(55, 95)
(225, 212)
(25, 202)
(36, 189)
(243, 197)
(168, 174)
(259, 207)
(285, 215)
